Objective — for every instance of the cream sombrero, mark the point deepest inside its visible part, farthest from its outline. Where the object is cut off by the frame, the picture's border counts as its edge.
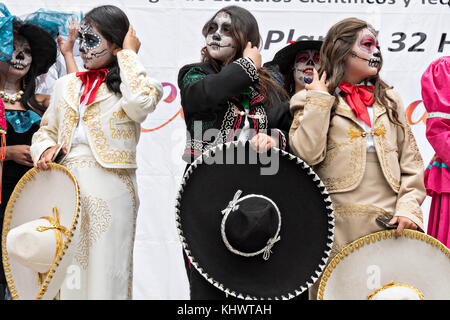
(414, 266)
(38, 229)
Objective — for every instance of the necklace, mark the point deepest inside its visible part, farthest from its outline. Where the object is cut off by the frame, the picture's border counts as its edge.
(11, 98)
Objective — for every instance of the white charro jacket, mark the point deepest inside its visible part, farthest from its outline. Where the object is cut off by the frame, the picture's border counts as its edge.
(112, 121)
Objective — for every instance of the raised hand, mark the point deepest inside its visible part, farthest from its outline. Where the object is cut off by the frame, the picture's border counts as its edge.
(67, 47)
(253, 53)
(318, 84)
(131, 41)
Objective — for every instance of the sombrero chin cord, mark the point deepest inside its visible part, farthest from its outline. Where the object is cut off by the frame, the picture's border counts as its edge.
(59, 230)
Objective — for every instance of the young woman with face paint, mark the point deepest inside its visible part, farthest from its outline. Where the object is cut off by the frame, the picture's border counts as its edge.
(93, 121)
(229, 97)
(296, 63)
(351, 126)
(293, 67)
(229, 91)
(34, 51)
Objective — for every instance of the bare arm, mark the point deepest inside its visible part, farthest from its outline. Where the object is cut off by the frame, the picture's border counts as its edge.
(66, 48)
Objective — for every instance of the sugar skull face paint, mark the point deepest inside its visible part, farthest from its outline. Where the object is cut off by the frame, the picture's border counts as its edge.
(95, 50)
(305, 63)
(219, 41)
(365, 58)
(21, 57)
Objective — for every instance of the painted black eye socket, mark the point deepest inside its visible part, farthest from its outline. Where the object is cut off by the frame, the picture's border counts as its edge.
(212, 28)
(226, 29)
(91, 40)
(27, 51)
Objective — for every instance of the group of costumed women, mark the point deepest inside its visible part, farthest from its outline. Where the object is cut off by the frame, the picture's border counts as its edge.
(343, 120)
(323, 101)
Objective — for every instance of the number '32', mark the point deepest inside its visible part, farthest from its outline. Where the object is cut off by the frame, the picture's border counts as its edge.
(399, 41)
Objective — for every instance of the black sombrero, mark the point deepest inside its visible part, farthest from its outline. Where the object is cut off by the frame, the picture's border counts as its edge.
(255, 234)
(285, 57)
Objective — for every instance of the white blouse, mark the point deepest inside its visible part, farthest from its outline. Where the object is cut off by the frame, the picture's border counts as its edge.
(79, 136)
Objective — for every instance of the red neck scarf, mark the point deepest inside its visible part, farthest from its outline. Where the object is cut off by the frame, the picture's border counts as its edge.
(359, 97)
(88, 78)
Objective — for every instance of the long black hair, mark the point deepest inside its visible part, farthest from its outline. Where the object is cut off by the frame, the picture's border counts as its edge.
(113, 25)
(43, 53)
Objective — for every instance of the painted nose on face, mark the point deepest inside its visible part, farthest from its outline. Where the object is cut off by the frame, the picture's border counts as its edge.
(81, 47)
(20, 56)
(310, 62)
(216, 37)
(377, 53)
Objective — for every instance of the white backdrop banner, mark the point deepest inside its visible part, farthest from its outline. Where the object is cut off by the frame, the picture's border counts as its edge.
(412, 33)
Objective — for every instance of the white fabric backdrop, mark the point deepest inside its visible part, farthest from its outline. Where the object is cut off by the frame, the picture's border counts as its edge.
(411, 33)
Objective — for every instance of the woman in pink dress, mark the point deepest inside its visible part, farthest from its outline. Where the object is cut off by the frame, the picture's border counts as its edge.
(436, 98)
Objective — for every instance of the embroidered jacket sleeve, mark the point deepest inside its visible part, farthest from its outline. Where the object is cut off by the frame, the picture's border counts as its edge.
(203, 92)
(47, 135)
(308, 133)
(412, 190)
(280, 120)
(140, 93)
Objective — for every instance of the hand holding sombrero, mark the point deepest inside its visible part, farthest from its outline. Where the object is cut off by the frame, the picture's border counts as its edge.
(255, 235)
(39, 231)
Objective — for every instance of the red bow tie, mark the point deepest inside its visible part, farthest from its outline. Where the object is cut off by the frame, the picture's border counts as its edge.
(88, 78)
(359, 97)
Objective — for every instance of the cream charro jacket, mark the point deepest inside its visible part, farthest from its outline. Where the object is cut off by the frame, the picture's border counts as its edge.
(112, 121)
(334, 143)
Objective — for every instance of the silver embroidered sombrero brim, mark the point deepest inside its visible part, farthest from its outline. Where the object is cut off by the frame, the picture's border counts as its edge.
(49, 202)
(293, 262)
(378, 263)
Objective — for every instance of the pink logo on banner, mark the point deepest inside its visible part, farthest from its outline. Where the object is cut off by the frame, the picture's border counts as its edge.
(170, 98)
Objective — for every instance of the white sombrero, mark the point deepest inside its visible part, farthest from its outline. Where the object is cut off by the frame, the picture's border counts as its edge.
(379, 266)
(38, 229)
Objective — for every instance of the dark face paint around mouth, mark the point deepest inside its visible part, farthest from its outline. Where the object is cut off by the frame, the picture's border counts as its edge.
(372, 62)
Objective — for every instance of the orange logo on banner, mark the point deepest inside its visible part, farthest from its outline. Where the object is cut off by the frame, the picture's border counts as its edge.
(170, 98)
(410, 110)
(173, 94)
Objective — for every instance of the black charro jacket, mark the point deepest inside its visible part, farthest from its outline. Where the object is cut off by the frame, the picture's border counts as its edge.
(213, 100)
